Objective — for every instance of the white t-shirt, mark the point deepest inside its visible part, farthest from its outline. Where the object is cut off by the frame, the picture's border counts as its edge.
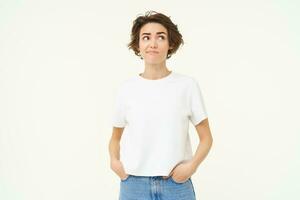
(156, 115)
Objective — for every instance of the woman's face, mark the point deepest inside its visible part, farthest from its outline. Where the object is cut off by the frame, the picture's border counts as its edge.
(153, 43)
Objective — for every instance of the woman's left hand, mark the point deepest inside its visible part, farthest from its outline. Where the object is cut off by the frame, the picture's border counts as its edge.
(183, 171)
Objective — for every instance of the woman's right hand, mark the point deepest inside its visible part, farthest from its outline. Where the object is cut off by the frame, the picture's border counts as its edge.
(117, 166)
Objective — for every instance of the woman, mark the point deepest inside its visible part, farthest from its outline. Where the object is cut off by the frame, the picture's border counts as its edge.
(154, 158)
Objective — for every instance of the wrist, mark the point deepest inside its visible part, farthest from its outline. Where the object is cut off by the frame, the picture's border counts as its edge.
(194, 164)
(113, 159)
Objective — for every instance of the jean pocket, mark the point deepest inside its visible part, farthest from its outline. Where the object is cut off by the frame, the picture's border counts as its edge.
(171, 178)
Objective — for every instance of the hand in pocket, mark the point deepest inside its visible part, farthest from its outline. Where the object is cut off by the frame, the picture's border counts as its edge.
(117, 167)
(182, 171)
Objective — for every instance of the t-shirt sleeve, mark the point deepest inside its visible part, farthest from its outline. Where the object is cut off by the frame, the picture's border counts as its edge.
(119, 111)
(196, 104)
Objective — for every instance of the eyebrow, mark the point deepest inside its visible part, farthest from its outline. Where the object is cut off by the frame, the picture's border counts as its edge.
(156, 33)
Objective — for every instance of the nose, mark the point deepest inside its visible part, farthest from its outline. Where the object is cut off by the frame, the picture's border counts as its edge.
(153, 43)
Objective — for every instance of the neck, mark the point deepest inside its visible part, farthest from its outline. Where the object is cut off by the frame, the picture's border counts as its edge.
(155, 71)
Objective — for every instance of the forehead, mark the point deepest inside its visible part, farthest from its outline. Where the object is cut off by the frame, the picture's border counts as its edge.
(153, 28)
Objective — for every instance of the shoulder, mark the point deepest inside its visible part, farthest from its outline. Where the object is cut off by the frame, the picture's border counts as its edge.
(188, 79)
(126, 84)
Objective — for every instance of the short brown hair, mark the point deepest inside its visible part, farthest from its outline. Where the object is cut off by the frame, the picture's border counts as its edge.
(174, 36)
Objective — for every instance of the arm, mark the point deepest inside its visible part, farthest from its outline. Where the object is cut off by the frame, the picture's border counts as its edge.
(114, 144)
(114, 151)
(205, 143)
(185, 169)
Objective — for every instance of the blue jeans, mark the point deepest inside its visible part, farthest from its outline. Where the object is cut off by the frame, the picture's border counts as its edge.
(155, 188)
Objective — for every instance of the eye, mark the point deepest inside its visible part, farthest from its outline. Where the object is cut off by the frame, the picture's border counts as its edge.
(163, 37)
(145, 37)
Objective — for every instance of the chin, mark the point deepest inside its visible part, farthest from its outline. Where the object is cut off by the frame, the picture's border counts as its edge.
(154, 61)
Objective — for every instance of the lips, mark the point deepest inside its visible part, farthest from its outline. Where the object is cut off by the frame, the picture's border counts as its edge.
(152, 52)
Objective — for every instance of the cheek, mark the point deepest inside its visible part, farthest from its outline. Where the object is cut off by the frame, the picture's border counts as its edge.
(165, 46)
(166, 49)
(142, 46)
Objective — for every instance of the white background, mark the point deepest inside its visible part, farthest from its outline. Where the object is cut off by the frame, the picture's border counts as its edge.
(62, 61)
